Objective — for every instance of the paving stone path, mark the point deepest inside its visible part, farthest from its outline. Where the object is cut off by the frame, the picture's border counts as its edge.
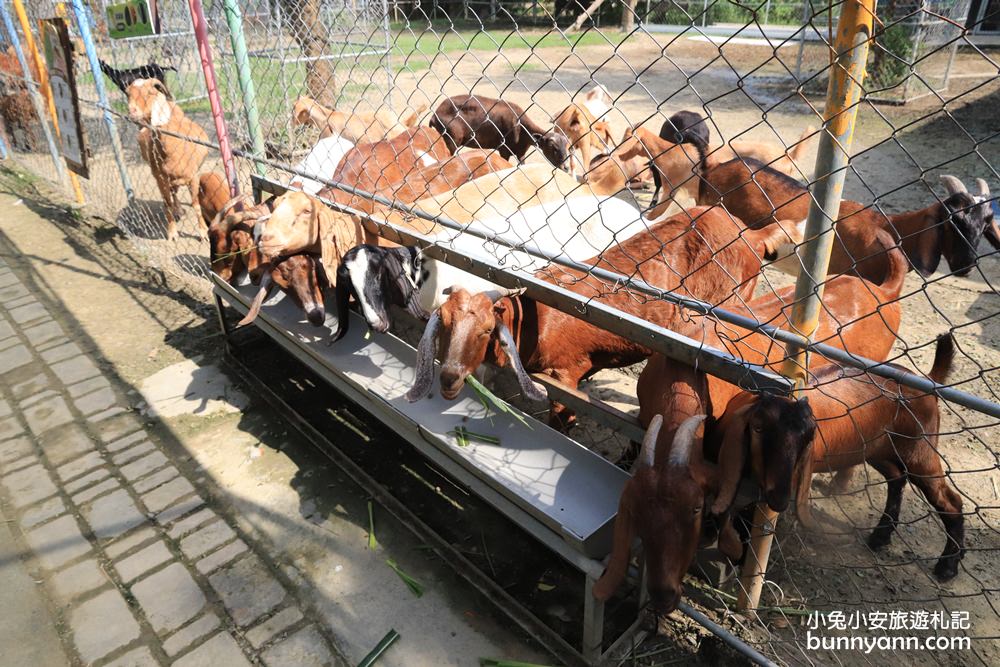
(140, 569)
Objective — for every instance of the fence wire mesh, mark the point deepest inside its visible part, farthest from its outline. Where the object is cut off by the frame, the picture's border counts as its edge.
(755, 75)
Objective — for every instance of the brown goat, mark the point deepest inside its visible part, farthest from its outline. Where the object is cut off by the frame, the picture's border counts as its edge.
(302, 278)
(539, 338)
(173, 161)
(587, 137)
(483, 122)
(213, 195)
(759, 195)
(356, 126)
(376, 166)
(856, 418)
(857, 316)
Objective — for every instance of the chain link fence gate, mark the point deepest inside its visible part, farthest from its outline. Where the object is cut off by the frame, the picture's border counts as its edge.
(755, 85)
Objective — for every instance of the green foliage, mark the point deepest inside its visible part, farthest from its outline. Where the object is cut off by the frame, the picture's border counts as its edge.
(892, 56)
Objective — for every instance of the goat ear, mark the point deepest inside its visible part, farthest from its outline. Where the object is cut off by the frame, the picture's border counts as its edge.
(730, 543)
(265, 290)
(732, 455)
(927, 255)
(162, 87)
(802, 474)
(531, 390)
(160, 112)
(423, 374)
(621, 546)
(992, 233)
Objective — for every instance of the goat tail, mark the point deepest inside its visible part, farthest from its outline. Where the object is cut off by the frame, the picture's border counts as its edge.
(795, 152)
(944, 355)
(899, 266)
(412, 116)
(343, 299)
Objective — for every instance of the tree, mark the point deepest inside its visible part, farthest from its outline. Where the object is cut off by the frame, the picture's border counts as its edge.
(303, 20)
(628, 15)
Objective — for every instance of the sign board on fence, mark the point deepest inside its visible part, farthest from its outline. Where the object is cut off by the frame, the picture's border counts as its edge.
(133, 18)
(59, 58)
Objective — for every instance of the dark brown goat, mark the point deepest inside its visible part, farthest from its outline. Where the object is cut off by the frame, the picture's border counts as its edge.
(857, 316)
(759, 195)
(484, 122)
(676, 254)
(856, 418)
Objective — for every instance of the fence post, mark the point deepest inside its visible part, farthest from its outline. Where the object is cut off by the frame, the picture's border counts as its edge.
(854, 32)
(45, 85)
(3, 149)
(208, 69)
(234, 19)
(83, 24)
(32, 87)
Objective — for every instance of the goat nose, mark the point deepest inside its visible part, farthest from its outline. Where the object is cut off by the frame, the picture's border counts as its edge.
(316, 316)
(664, 599)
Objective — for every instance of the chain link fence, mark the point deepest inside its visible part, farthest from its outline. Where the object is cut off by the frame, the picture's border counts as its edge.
(756, 75)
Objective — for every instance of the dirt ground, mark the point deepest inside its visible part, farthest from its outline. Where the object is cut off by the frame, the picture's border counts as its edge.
(899, 153)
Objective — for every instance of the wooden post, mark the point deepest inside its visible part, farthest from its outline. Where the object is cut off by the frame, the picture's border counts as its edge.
(843, 94)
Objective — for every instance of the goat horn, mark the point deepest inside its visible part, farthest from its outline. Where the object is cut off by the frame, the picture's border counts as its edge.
(953, 185)
(497, 294)
(680, 451)
(531, 390)
(258, 301)
(647, 454)
(423, 375)
(984, 189)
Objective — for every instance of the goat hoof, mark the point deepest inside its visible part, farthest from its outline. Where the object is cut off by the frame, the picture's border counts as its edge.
(879, 540)
(946, 568)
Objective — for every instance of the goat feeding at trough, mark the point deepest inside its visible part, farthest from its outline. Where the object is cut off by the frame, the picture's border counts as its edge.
(505, 327)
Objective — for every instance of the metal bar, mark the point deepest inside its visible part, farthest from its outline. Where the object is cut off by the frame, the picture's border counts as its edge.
(32, 87)
(601, 412)
(236, 37)
(659, 339)
(205, 52)
(593, 623)
(853, 36)
(499, 276)
(45, 86)
(730, 640)
(83, 24)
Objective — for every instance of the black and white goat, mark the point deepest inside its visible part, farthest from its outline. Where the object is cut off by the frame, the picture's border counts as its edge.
(378, 277)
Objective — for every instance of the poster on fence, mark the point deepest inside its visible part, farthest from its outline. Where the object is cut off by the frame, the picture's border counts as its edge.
(59, 58)
(134, 18)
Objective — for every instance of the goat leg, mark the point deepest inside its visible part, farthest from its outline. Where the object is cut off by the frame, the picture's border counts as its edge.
(948, 505)
(896, 479)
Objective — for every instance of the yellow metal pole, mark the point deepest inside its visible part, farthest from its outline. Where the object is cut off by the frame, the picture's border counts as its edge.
(43, 83)
(854, 32)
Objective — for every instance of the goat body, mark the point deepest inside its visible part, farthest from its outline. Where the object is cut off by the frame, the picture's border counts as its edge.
(951, 228)
(483, 122)
(356, 126)
(173, 161)
(846, 417)
(539, 338)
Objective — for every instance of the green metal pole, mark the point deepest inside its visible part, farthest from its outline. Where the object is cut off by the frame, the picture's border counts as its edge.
(234, 19)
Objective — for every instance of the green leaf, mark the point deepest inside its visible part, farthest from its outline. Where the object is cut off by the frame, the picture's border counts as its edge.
(372, 542)
(500, 405)
(415, 587)
(463, 435)
(545, 587)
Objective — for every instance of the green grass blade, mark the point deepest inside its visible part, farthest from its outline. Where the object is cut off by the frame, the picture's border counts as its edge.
(379, 649)
(372, 542)
(498, 403)
(415, 586)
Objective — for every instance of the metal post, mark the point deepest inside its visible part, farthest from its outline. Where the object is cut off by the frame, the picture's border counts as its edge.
(36, 101)
(45, 85)
(235, 21)
(83, 24)
(3, 148)
(208, 69)
(854, 32)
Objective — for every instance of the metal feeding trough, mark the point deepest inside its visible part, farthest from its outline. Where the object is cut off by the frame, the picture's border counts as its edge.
(557, 490)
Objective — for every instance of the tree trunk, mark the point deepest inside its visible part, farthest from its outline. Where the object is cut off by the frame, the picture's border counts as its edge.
(303, 20)
(628, 15)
